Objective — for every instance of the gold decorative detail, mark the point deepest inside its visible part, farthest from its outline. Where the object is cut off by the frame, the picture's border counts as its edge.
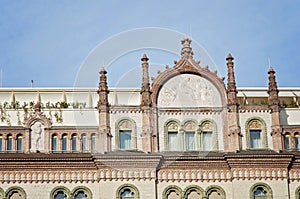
(190, 126)
(255, 125)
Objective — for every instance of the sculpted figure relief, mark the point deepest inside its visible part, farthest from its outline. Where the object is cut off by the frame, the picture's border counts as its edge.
(37, 136)
(189, 90)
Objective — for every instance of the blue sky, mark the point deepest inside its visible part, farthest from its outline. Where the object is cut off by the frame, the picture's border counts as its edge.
(49, 41)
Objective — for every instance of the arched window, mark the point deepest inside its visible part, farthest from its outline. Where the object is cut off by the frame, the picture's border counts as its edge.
(82, 193)
(173, 136)
(15, 193)
(9, 143)
(83, 143)
(215, 192)
(64, 143)
(189, 136)
(74, 142)
(19, 143)
(127, 192)
(1, 143)
(256, 134)
(126, 134)
(208, 135)
(172, 192)
(287, 141)
(296, 141)
(54, 143)
(60, 193)
(93, 143)
(260, 191)
(193, 192)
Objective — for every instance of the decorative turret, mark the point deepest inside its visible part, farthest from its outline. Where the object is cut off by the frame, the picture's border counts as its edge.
(103, 108)
(234, 141)
(273, 91)
(231, 86)
(103, 89)
(274, 106)
(186, 51)
(147, 138)
(145, 91)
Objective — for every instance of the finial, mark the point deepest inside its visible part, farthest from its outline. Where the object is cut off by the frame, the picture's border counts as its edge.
(37, 107)
(144, 58)
(271, 70)
(186, 50)
(102, 71)
(229, 57)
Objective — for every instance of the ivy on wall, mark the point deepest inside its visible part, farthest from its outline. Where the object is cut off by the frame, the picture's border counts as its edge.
(28, 108)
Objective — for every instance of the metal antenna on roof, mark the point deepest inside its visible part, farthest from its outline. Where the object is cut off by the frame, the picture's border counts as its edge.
(269, 61)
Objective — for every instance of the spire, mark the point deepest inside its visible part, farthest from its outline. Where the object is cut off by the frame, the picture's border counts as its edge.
(145, 91)
(103, 89)
(231, 86)
(273, 91)
(186, 51)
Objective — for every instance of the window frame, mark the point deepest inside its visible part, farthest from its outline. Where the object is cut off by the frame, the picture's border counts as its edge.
(256, 123)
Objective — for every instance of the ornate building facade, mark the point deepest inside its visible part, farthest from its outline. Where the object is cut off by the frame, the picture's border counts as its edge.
(186, 135)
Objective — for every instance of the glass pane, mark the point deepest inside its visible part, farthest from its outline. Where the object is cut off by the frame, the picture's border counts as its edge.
(125, 139)
(173, 141)
(9, 143)
(54, 143)
(60, 195)
(127, 194)
(64, 143)
(93, 143)
(80, 195)
(19, 144)
(287, 142)
(207, 141)
(83, 143)
(255, 139)
(1, 143)
(190, 141)
(74, 140)
(259, 192)
(296, 142)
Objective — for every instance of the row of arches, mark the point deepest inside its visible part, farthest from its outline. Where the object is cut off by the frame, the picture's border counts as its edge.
(60, 142)
(60, 192)
(193, 192)
(190, 135)
(73, 142)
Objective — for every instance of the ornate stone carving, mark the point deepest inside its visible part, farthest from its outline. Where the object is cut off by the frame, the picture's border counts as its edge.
(37, 136)
(189, 90)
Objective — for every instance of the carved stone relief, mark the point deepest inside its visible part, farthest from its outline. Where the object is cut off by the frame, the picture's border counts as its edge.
(37, 136)
(189, 90)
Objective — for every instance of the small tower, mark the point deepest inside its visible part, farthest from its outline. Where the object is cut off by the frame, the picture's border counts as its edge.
(274, 106)
(147, 141)
(234, 133)
(103, 108)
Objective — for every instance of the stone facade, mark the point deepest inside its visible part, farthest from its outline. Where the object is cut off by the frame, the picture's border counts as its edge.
(186, 135)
